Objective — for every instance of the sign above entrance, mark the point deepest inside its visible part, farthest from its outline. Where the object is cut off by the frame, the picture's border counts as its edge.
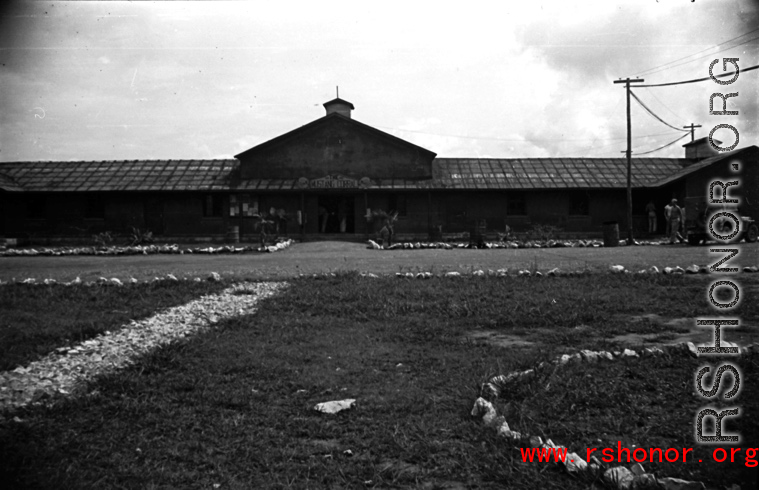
(333, 182)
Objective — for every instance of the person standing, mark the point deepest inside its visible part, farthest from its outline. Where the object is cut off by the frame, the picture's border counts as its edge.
(651, 211)
(674, 219)
(668, 230)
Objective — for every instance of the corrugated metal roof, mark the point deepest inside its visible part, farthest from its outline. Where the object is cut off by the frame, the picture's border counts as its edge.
(551, 173)
(135, 175)
(8, 184)
(696, 166)
(448, 173)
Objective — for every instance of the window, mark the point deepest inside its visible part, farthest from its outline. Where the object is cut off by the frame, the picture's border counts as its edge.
(212, 206)
(515, 205)
(396, 202)
(579, 204)
(36, 208)
(94, 207)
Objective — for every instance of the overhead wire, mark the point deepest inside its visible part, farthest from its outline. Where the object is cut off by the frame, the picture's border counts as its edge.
(663, 68)
(600, 149)
(740, 70)
(654, 115)
(662, 147)
(652, 94)
(525, 140)
(698, 52)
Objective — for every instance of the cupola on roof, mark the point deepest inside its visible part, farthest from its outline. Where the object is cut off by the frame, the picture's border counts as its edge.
(339, 106)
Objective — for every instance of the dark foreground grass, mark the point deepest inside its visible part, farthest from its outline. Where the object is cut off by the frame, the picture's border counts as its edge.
(233, 407)
(35, 319)
(643, 403)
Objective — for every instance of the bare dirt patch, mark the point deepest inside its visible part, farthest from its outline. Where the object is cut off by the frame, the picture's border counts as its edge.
(499, 339)
(678, 330)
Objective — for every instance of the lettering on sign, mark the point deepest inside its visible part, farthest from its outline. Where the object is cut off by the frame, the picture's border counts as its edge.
(333, 182)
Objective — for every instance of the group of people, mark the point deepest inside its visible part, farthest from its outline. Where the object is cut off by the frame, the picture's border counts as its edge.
(674, 216)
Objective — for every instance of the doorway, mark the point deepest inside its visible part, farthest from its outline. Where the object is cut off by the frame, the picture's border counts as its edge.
(336, 214)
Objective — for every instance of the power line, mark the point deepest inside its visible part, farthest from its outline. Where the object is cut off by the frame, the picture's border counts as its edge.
(600, 149)
(652, 94)
(664, 66)
(525, 140)
(654, 115)
(707, 49)
(662, 147)
(707, 55)
(700, 79)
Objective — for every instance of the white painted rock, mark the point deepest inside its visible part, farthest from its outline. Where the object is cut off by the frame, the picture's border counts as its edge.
(374, 245)
(653, 269)
(692, 348)
(171, 277)
(606, 355)
(504, 430)
(335, 406)
(115, 281)
(692, 269)
(574, 463)
(646, 480)
(486, 410)
(620, 477)
(589, 355)
(678, 484)
(637, 469)
(453, 274)
(617, 268)
(214, 276)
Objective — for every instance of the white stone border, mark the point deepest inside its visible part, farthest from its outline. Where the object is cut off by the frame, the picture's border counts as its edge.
(574, 243)
(620, 476)
(66, 370)
(141, 250)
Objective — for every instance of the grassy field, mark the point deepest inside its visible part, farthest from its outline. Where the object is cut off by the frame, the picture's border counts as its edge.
(232, 408)
(316, 257)
(34, 320)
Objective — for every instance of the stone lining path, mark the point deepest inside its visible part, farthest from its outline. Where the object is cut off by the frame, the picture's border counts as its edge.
(67, 370)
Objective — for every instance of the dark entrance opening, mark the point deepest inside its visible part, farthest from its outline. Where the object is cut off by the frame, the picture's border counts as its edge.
(336, 214)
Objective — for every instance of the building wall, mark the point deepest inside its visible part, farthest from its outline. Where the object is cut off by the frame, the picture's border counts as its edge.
(337, 147)
(180, 216)
(65, 216)
(697, 184)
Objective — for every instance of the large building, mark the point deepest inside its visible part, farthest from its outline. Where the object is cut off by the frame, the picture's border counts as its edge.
(328, 174)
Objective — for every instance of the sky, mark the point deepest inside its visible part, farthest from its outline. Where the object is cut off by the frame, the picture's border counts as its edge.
(203, 80)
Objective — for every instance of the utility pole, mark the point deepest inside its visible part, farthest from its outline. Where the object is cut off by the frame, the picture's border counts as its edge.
(692, 128)
(627, 83)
